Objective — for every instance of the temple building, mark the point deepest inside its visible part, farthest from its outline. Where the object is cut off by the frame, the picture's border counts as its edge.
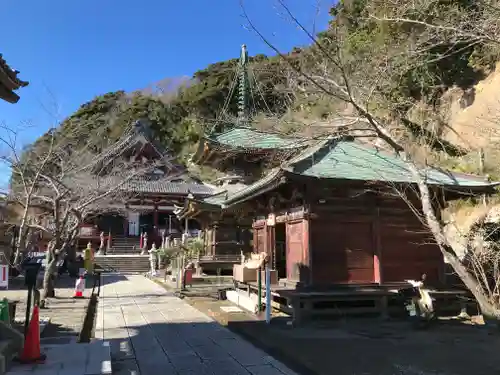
(151, 197)
(341, 213)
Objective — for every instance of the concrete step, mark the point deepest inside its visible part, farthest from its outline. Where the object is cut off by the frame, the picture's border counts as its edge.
(124, 252)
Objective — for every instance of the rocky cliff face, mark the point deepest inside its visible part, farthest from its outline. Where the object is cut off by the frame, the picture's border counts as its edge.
(473, 115)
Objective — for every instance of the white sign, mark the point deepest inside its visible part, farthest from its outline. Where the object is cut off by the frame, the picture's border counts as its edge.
(133, 223)
(141, 207)
(4, 276)
(87, 231)
(271, 220)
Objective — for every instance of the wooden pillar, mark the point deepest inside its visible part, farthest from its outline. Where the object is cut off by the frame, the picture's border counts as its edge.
(125, 226)
(155, 217)
(306, 251)
(271, 244)
(205, 237)
(214, 239)
(255, 240)
(377, 246)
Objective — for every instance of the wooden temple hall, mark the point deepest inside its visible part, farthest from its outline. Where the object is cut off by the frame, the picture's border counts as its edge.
(151, 197)
(333, 218)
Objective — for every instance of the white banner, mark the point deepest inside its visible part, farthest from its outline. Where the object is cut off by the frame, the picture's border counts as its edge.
(4, 276)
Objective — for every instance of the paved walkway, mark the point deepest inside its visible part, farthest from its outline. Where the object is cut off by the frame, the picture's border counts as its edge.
(150, 331)
(69, 359)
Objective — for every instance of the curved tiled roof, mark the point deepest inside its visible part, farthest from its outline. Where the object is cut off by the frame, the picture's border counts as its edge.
(345, 159)
(349, 160)
(242, 137)
(9, 82)
(166, 187)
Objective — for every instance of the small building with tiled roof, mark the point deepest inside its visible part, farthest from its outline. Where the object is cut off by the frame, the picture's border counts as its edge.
(9, 82)
(335, 214)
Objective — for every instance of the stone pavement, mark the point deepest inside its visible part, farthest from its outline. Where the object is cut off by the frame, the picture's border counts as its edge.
(70, 359)
(150, 331)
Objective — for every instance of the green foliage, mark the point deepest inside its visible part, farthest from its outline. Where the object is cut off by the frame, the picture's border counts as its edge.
(189, 252)
(424, 75)
(177, 120)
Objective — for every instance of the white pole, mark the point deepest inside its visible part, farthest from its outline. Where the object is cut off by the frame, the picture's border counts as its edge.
(268, 294)
(178, 261)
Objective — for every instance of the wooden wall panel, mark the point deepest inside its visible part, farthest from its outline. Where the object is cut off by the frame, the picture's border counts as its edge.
(342, 251)
(294, 249)
(407, 252)
(259, 239)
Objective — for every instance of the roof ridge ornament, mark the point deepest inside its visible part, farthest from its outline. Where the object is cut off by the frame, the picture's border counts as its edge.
(243, 88)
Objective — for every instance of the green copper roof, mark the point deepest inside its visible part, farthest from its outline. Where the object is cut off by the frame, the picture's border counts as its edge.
(353, 161)
(347, 160)
(241, 137)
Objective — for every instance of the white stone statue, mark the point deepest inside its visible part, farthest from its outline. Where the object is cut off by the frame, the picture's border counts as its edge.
(162, 239)
(101, 245)
(144, 244)
(153, 259)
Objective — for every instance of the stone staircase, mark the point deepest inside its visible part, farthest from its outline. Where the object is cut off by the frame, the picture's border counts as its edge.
(123, 263)
(124, 257)
(124, 245)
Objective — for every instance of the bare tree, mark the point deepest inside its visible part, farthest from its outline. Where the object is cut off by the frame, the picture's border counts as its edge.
(65, 178)
(472, 22)
(26, 173)
(326, 70)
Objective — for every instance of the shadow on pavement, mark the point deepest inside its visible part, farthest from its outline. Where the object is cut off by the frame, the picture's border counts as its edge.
(188, 348)
(111, 280)
(386, 349)
(369, 346)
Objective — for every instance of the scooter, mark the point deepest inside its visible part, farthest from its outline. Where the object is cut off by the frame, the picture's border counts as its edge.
(418, 303)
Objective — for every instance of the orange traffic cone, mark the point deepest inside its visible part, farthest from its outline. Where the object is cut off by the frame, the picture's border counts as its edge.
(79, 288)
(31, 351)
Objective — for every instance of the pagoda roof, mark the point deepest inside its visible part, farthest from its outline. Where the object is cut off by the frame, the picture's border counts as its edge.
(248, 138)
(241, 139)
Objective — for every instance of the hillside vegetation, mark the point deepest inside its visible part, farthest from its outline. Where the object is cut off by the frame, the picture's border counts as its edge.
(413, 78)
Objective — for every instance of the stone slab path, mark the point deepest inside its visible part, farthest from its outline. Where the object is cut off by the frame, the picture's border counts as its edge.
(70, 359)
(150, 331)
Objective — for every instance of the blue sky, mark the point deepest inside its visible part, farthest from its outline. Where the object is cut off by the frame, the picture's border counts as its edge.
(71, 51)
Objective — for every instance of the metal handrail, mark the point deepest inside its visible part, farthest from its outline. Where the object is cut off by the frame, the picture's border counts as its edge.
(220, 257)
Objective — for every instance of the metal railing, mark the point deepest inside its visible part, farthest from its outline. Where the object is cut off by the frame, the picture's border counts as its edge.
(221, 258)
